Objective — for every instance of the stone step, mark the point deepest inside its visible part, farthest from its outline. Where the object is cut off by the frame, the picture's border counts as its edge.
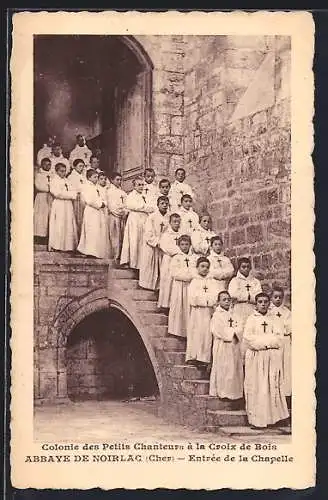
(148, 305)
(214, 403)
(140, 295)
(174, 357)
(183, 372)
(171, 344)
(159, 331)
(195, 387)
(247, 431)
(124, 284)
(227, 418)
(123, 273)
(154, 319)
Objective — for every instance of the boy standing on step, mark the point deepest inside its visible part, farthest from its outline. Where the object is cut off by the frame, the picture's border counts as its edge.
(221, 266)
(151, 254)
(179, 188)
(150, 190)
(116, 202)
(264, 386)
(43, 201)
(227, 378)
(189, 218)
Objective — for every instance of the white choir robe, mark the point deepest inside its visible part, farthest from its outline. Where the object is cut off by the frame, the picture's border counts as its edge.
(244, 300)
(169, 247)
(80, 153)
(264, 385)
(227, 377)
(62, 223)
(151, 254)
(221, 269)
(182, 270)
(201, 241)
(138, 209)
(116, 202)
(283, 318)
(178, 189)
(44, 152)
(59, 159)
(42, 203)
(189, 221)
(94, 238)
(202, 298)
(78, 181)
(150, 192)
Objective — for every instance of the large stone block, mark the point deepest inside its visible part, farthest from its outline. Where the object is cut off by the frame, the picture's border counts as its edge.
(254, 233)
(280, 229)
(168, 103)
(244, 58)
(53, 279)
(162, 124)
(176, 125)
(238, 237)
(48, 385)
(169, 144)
(160, 162)
(48, 360)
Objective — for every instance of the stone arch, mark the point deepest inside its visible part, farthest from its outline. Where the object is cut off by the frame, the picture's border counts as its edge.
(137, 48)
(98, 300)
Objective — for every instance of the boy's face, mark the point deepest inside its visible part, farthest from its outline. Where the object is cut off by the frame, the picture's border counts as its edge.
(203, 268)
(164, 188)
(93, 178)
(80, 140)
(277, 298)
(162, 206)
(79, 167)
(205, 222)
(117, 181)
(56, 150)
(186, 203)
(184, 246)
(180, 175)
(46, 165)
(138, 186)
(262, 305)
(149, 177)
(102, 180)
(217, 246)
(245, 268)
(175, 223)
(225, 301)
(50, 141)
(94, 163)
(61, 171)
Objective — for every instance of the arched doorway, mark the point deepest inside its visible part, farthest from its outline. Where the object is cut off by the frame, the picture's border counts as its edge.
(99, 86)
(106, 359)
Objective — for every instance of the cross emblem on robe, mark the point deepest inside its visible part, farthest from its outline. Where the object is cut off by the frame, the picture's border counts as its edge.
(122, 198)
(66, 186)
(182, 193)
(248, 287)
(219, 262)
(144, 199)
(279, 314)
(81, 181)
(162, 226)
(176, 239)
(146, 190)
(205, 288)
(230, 321)
(207, 239)
(190, 223)
(98, 192)
(264, 324)
(187, 261)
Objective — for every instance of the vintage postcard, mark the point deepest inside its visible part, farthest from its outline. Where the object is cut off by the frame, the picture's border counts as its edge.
(162, 295)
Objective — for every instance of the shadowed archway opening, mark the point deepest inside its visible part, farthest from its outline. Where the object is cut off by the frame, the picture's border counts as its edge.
(106, 359)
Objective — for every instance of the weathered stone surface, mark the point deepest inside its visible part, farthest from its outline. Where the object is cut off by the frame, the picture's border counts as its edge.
(169, 144)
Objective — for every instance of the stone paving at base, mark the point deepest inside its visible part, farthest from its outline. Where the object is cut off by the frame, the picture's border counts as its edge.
(98, 421)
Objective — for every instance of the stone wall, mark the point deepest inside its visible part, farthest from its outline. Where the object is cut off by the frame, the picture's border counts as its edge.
(237, 144)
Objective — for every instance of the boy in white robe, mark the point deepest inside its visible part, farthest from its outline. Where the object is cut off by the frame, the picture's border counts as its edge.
(283, 318)
(42, 201)
(150, 190)
(62, 224)
(78, 180)
(95, 163)
(182, 270)
(139, 209)
(164, 187)
(58, 157)
(94, 239)
(201, 237)
(155, 226)
(169, 245)
(179, 188)
(264, 385)
(189, 218)
(102, 186)
(46, 150)
(117, 213)
(80, 151)
(243, 289)
(202, 298)
(227, 377)
(221, 266)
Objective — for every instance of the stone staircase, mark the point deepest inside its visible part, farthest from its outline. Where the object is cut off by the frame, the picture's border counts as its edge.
(185, 398)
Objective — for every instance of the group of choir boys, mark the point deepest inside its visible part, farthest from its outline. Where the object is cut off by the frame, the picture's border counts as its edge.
(231, 326)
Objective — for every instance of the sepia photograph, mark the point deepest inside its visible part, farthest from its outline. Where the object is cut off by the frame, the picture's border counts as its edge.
(164, 249)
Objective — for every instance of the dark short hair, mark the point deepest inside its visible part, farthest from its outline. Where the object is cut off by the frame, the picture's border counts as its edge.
(244, 260)
(223, 292)
(92, 157)
(137, 178)
(204, 215)
(261, 294)
(177, 170)
(277, 288)
(186, 197)
(216, 238)
(150, 170)
(90, 172)
(161, 182)
(77, 161)
(162, 198)
(115, 174)
(45, 159)
(202, 259)
(184, 237)
(58, 165)
(176, 216)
